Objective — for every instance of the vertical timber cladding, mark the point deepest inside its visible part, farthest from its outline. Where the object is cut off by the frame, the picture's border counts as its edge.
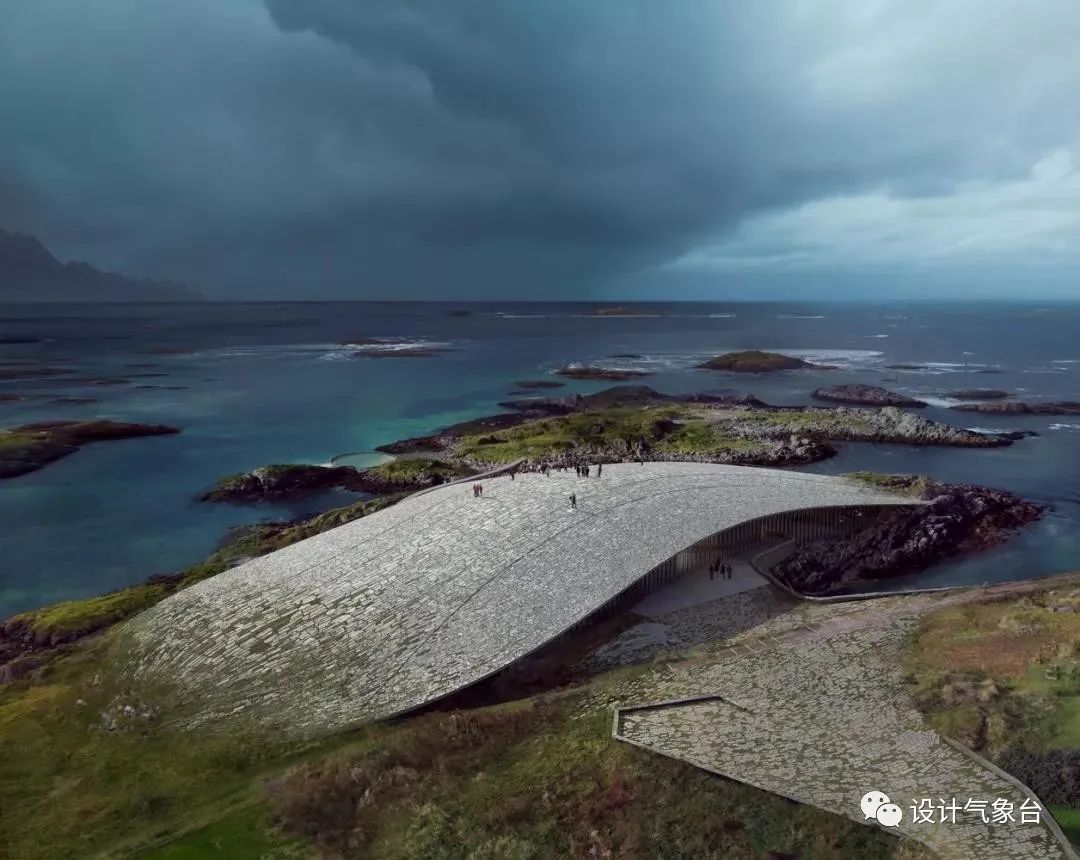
(801, 526)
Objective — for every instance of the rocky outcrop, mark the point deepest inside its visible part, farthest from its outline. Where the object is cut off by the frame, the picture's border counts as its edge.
(850, 424)
(626, 395)
(865, 395)
(979, 394)
(958, 519)
(757, 361)
(581, 371)
(539, 383)
(1061, 407)
(282, 482)
(30, 447)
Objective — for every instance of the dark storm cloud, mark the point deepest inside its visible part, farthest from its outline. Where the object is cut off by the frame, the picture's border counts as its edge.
(490, 148)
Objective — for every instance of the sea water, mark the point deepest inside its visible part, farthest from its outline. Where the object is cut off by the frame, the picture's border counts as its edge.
(256, 383)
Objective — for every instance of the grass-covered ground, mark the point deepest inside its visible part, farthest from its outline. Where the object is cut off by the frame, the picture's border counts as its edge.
(623, 430)
(1003, 678)
(409, 470)
(534, 778)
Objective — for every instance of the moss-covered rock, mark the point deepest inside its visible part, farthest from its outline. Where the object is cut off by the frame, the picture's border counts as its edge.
(282, 481)
(30, 447)
(756, 361)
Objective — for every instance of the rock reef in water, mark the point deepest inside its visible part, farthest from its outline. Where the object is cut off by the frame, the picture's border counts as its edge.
(1061, 407)
(539, 383)
(30, 447)
(866, 395)
(757, 361)
(283, 482)
(573, 371)
(979, 394)
(957, 519)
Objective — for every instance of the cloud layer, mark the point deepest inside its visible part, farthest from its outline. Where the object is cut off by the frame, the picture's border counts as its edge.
(325, 148)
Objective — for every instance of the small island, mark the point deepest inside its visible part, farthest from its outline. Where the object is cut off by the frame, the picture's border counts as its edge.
(286, 481)
(30, 447)
(757, 361)
(979, 394)
(1059, 407)
(539, 383)
(865, 395)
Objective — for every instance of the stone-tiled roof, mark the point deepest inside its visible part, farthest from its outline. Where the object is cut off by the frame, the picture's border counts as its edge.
(391, 611)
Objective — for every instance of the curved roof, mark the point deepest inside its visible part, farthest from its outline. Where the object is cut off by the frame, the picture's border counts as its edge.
(404, 606)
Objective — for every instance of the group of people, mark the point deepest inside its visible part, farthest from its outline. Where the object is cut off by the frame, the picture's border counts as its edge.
(583, 470)
(720, 567)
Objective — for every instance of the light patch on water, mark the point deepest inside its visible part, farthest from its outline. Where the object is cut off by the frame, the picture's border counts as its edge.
(1061, 426)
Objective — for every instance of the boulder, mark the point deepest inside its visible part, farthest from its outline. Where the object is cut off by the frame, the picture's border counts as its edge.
(866, 395)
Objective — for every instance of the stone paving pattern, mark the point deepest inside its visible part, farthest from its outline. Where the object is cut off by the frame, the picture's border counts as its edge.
(402, 607)
(811, 705)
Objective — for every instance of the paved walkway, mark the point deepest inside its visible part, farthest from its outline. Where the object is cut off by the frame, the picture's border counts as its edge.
(810, 704)
(697, 587)
(399, 608)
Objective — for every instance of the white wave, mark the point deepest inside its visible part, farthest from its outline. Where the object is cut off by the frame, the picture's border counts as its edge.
(395, 345)
(1061, 426)
(875, 335)
(1066, 361)
(801, 316)
(720, 316)
(944, 402)
(846, 358)
(988, 431)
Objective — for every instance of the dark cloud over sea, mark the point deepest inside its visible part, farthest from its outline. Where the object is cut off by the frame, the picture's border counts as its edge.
(328, 148)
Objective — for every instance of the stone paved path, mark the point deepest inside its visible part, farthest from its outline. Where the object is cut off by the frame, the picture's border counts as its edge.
(811, 705)
(391, 611)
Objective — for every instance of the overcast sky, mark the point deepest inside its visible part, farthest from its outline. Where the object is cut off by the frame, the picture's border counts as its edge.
(550, 149)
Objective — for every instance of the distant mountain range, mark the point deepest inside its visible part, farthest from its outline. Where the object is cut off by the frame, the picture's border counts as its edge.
(29, 273)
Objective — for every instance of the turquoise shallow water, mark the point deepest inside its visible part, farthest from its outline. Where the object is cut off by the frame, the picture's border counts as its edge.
(251, 384)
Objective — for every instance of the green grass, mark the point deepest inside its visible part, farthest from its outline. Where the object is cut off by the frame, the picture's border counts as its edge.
(244, 835)
(674, 429)
(62, 621)
(984, 673)
(525, 779)
(822, 421)
(408, 469)
(754, 361)
(913, 485)
(1069, 821)
(528, 780)
(70, 787)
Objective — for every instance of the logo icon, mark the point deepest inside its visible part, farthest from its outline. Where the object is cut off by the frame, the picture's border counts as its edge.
(876, 805)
